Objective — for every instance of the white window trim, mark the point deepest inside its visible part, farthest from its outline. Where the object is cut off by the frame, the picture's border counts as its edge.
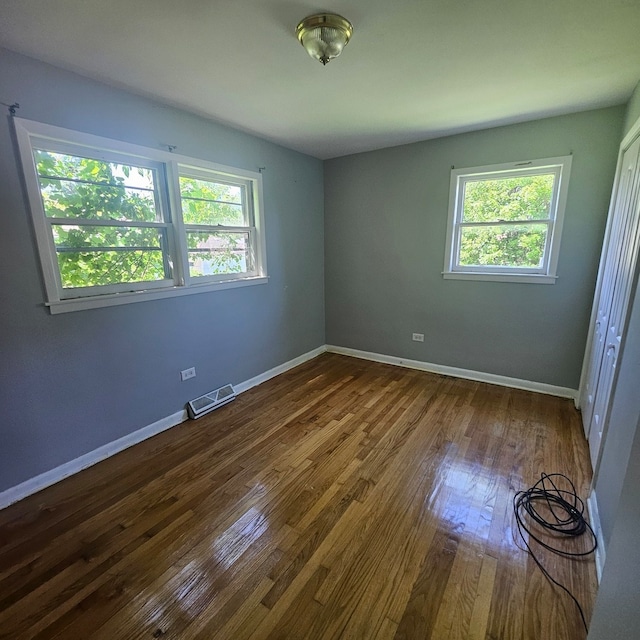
(27, 131)
(547, 273)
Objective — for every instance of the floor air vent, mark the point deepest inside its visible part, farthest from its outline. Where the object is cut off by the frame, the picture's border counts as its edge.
(210, 401)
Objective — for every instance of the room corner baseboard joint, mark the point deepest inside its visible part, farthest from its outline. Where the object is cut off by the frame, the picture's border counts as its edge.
(455, 372)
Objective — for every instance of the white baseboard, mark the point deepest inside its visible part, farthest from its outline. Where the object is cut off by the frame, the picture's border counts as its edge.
(46, 479)
(594, 521)
(281, 368)
(479, 376)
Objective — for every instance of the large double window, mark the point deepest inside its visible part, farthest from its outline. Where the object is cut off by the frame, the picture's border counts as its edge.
(505, 221)
(117, 223)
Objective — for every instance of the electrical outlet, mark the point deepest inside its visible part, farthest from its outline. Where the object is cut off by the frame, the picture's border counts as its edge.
(188, 373)
(418, 337)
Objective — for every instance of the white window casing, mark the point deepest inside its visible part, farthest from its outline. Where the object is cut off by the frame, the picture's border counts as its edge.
(545, 271)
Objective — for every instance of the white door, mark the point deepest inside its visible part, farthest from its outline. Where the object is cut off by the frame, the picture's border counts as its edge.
(617, 275)
(609, 269)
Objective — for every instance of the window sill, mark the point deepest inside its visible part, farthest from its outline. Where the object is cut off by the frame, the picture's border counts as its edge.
(522, 278)
(110, 300)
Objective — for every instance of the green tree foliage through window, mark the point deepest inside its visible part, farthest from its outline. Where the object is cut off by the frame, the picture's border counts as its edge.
(80, 197)
(215, 217)
(505, 221)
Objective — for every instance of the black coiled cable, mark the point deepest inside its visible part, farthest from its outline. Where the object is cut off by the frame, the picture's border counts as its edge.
(563, 514)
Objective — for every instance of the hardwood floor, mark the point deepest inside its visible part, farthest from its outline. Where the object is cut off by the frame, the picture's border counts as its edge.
(343, 499)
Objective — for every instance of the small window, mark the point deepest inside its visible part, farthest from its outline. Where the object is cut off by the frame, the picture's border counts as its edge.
(119, 223)
(218, 223)
(505, 221)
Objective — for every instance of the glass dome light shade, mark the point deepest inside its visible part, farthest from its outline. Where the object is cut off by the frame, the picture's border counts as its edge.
(324, 36)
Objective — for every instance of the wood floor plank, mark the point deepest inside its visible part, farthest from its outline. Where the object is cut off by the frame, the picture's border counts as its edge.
(482, 602)
(342, 499)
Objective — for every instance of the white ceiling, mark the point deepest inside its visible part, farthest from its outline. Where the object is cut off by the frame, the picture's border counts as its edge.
(414, 69)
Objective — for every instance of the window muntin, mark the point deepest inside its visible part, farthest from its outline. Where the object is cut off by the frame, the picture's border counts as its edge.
(119, 223)
(505, 220)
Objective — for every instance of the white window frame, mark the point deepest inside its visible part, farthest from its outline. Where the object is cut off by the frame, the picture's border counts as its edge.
(546, 273)
(168, 166)
(248, 211)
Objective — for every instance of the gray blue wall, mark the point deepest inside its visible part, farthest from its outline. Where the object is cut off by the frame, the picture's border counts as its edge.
(385, 225)
(70, 383)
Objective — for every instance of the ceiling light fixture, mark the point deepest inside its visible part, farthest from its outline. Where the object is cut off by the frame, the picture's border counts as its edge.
(324, 35)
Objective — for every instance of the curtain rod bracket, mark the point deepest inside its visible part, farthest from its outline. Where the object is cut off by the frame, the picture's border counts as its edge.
(12, 107)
